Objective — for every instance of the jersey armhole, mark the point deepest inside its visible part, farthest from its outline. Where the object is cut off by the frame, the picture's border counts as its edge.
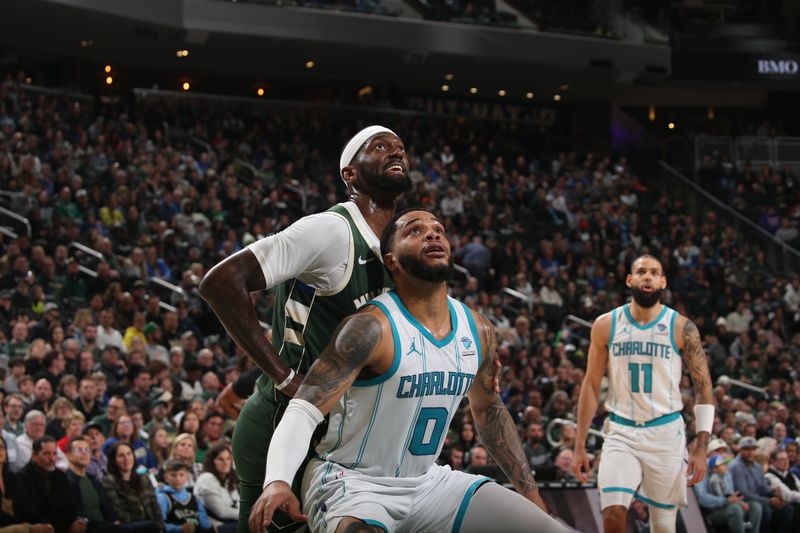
(672, 332)
(395, 362)
(473, 328)
(613, 328)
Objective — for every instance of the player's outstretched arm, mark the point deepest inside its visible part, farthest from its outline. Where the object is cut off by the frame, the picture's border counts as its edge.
(696, 361)
(495, 426)
(353, 346)
(590, 392)
(227, 288)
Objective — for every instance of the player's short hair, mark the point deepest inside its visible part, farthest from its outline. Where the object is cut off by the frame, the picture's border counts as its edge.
(648, 256)
(388, 233)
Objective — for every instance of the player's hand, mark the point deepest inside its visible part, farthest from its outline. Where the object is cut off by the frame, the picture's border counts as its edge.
(277, 495)
(291, 389)
(580, 464)
(697, 466)
(498, 374)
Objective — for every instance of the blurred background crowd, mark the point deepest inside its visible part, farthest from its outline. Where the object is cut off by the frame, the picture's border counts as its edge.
(103, 335)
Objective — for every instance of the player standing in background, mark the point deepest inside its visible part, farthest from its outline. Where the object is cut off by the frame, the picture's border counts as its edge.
(325, 267)
(392, 378)
(644, 450)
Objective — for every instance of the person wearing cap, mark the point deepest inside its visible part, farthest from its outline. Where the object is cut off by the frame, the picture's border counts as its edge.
(749, 480)
(96, 439)
(723, 506)
(325, 266)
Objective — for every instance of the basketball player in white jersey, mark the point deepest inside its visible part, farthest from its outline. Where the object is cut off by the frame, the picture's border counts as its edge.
(392, 378)
(641, 344)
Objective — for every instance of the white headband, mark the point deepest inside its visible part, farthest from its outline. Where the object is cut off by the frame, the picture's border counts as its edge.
(354, 145)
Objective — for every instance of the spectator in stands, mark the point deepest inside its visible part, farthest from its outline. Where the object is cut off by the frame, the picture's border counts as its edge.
(138, 395)
(116, 407)
(123, 430)
(98, 463)
(14, 407)
(218, 487)
(35, 423)
(75, 423)
(107, 334)
(179, 507)
(537, 452)
(750, 481)
(112, 366)
(43, 491)
(16, 369)
(43, 396)
(724, 506)
(212, 434)
(184, 448)
(154, 347)
(787, 484)
(132, 495)
(86, 402)
(58, 418)
(158, 443)
(8, 494)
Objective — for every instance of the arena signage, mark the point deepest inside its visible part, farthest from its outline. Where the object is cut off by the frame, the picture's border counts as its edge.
(788, 67)
(481, 109)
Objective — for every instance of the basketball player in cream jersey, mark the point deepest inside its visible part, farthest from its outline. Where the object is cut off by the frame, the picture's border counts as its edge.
(392, 378)
(642, 346)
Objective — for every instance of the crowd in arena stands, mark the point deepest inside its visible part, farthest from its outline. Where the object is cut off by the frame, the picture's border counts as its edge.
(111, 384)
(769, 196)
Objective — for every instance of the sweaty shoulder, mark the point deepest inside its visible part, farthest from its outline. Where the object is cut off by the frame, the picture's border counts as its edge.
(315, 249)
(682, 326)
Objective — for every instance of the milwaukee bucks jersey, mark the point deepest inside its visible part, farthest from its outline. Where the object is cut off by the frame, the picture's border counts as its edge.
(305, 317)
(394, 424)
(644, 366)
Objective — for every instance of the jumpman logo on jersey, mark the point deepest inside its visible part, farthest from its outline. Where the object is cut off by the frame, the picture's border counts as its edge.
(414, 348)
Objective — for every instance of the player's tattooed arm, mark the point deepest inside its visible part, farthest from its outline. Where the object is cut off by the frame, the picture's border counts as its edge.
(493, 421)
(350, 349)
(696, 361)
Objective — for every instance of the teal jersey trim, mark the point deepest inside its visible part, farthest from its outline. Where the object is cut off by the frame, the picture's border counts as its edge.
(660, 421)
(638, 496)
(462, 509)
(613, 328)
(414, 322)
(338, 443)
(672, 332)
(649, 325)
(371, 522)
(397, 355)
(473, 328)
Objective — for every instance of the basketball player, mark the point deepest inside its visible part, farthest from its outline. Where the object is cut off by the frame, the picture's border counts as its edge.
(644, 450)
(325, 267)
(392, 378)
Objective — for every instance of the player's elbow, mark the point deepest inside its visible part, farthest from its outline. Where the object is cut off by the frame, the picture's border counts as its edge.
(218, 282)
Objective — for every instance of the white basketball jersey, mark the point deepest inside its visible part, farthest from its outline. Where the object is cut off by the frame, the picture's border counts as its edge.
(394, 425)
(644, 366)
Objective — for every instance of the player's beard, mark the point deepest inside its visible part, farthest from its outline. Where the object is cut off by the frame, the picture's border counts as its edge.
(396, 185)
(646, 299)
(433, 274)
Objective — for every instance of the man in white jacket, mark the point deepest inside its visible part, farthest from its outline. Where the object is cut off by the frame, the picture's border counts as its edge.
(779, 477)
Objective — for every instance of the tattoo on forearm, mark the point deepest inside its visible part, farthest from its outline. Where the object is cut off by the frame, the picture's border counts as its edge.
(499, 435)
(349, 349)
(485, 377)
(694, 356)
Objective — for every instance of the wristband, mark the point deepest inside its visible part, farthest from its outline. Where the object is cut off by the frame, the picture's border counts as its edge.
(704, 417)
(286, 381)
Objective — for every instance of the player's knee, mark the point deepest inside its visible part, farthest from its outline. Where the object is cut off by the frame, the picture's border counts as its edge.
(662, 520)
(614, 517)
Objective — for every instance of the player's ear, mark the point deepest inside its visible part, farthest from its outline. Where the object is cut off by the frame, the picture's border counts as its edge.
(390, 262)
(349, 175)
(628, 279)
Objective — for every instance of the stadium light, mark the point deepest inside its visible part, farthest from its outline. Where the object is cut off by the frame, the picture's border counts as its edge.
(310, 64)
(109, 80)
(711, 113)
(445, 88)
(651, 113)
(529, 95)
(186, 86)
(107, 69)
(449, 77)
(501, 92)
(260, 91)
(473, 90)
(557, 97)
(671, 125)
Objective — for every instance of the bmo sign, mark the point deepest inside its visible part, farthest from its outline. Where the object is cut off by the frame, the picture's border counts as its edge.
(778, 67)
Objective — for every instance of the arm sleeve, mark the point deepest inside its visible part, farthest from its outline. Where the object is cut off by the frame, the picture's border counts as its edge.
(315, 249)
(289, 444)
(243, 387)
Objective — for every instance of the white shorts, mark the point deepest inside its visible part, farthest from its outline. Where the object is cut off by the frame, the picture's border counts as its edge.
(434, 501)
(648, 463)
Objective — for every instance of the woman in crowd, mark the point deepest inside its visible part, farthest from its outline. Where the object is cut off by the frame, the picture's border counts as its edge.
(123, 430)
(184, 448)
(55, 336)
(158, 442)
(74, 429)
(68, 388)
(218, 488)
(58, 418)
(131, 494)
